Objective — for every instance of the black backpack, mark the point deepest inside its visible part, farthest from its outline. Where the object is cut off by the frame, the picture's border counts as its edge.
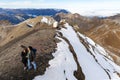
(32, 54)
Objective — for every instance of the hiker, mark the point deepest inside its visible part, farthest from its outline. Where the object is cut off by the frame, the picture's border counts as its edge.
(31, 55)
(24, 58)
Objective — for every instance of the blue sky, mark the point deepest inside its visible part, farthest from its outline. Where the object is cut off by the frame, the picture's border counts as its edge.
(79, 6)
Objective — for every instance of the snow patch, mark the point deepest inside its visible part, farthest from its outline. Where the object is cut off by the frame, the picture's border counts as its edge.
(62, 67)
(93, 59)
(55, 24)
(32, 15)
(93, 62)
(44, 20)
(20, 18)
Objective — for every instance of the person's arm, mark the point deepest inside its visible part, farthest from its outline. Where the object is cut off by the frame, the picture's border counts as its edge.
(28, 50)
(21, 54)
(28, 53)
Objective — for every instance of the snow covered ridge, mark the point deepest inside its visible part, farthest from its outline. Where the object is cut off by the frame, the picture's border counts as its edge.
(92, 44)
(44, 20)
(40, 19)
(92, 58)
(62, 66)
(102, 58)
(49, 21)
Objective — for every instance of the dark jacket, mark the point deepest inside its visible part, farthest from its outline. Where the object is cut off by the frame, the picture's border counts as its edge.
(24, 58)
(32, 55)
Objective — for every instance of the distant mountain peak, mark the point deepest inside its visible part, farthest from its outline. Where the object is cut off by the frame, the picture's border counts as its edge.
(18, 15)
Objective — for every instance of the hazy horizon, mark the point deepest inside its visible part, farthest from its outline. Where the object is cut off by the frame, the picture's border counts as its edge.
(86, 7)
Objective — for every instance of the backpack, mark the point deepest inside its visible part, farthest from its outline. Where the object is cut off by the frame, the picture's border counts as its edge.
(33, 53)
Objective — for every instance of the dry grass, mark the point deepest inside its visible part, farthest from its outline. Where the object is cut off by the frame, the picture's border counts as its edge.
(107, 35)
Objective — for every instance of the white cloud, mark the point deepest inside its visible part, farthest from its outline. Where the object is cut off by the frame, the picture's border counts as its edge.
(17, 4)
(94, 8)
(68, 5)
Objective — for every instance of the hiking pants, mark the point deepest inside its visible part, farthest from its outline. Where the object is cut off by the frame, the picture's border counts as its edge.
(33, 63)
(29, 64)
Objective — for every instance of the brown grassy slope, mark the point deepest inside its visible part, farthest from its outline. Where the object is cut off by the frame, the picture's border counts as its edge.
(4, 22)
(4, 30)
(17, 31)
(40, 37)
(108, 36)
(84, 23)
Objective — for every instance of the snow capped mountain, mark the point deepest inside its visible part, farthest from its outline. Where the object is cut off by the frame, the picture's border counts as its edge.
(92, 59)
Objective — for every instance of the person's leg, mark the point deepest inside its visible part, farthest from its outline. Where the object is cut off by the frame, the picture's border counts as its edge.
(34, 65)
(28, 63)
(24, 63)
(25, 66)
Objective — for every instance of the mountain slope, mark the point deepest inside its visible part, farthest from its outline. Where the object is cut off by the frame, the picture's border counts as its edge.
(40, 36)
(91, 57)
(62, 53)
(107, 35)
(104, 31)
(115, 18)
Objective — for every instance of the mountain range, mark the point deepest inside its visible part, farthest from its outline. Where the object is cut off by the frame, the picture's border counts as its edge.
(69, 47)
(15, 16)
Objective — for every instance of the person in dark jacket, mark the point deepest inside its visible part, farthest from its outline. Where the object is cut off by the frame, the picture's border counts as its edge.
(24, 58)
(28, 57)
(31, 57)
